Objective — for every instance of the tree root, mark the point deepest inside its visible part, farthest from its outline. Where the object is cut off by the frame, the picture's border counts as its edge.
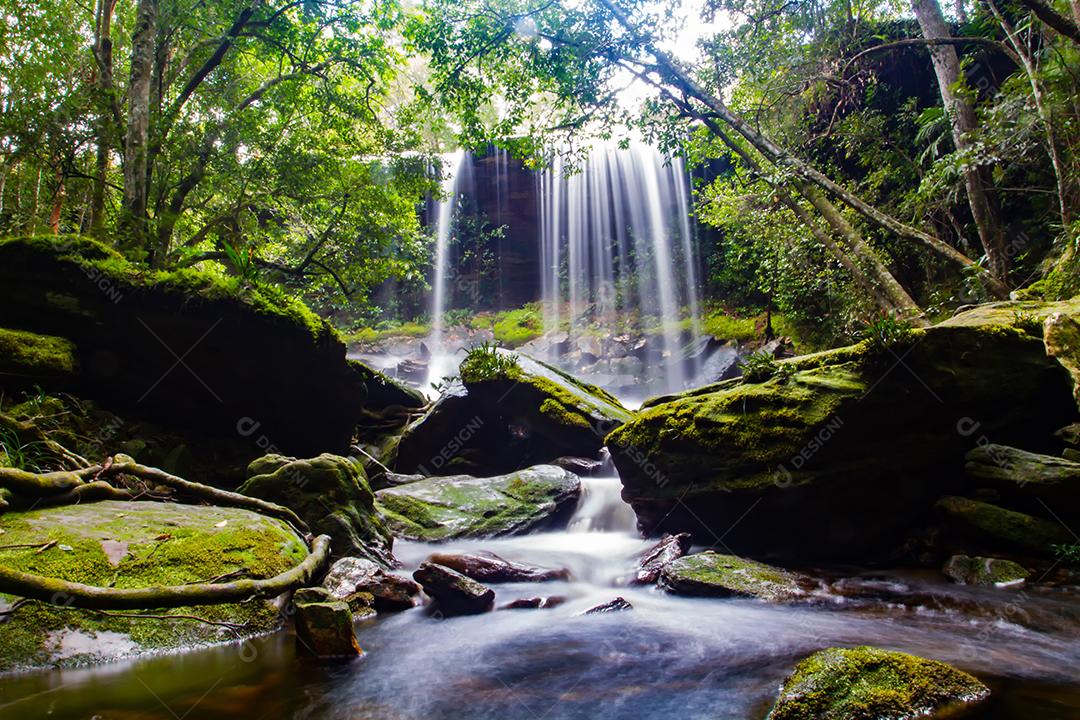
(89, 597)
(29, 432)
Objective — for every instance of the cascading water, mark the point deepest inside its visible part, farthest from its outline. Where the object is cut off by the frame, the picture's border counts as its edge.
(617, 254)
(452, 168)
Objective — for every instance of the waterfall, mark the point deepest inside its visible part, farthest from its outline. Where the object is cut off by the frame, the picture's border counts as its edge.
(617, 249)
(441, 356)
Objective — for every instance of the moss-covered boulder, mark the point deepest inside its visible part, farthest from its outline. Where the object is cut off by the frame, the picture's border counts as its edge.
(1032, 481)
(331, 494)
(508, 412)
(866, 683)
(27, 359)
(325, 631)
(997, 572)
(462, 506)
(1000, 529)
(133, 545)
(188, 349)
(1061, 331)
(385, 392)
(712, 574)
(840, 454)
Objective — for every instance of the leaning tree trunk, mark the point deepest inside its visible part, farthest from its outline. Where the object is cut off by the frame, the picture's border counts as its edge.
(136, 143)
(103, 50)
(679, 78)
(962, 114)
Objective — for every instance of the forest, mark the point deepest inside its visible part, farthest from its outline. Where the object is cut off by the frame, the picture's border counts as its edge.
(599, 359)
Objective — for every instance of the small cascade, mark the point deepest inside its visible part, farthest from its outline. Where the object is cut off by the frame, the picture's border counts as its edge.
(601, 508)
(452, 168)
(618, 254)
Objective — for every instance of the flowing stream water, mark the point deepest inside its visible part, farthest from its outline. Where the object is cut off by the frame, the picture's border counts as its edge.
(669, 657)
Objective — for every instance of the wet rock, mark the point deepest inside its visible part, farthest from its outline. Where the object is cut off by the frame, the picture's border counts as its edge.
(166, 544)
(461, 506)
(1000, 528)
(534, 602)
(415, 370)
(490, 568)
(984, 571)
(331, 494)
(311, 595)
(799, 447)
(653, 560)
(585, 467)
(713, 574)
(325, 631)
(1028, 476)
(866, 683)
(351, 579)
(453, 593)
(385, 392)
(617, 605)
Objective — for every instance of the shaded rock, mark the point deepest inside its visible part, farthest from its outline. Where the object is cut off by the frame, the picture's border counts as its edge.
(866, 683)
(389, 479)
(617, 605)
(1000, 528)
(384, 391)
(453, 593)
(27, 358)
(1071, 454)
(713, 574)
(351, 579)
(311, 595)
(295, 390)
(329, 493)
(166, 544)
(460, 506)
(1028, 476)
(508, 412)
(585, 467)
(984, 571)
(1070, 435)
(653, 560)
(534, 602)
(1061, 333)
(325, 631)
(804, 444)
(490, 568)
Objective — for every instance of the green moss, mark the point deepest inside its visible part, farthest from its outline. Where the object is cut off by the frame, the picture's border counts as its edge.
(711, 573)
(26, 353)
(1007, 529)
(723, 326)
(517, 327)
(866, 683)
(140, 544)
(560, 413)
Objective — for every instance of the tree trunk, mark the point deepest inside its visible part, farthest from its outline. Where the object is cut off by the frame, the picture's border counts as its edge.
(104, 52)
(136, 190)
(679, 78)
(58, 202)
(962, 114)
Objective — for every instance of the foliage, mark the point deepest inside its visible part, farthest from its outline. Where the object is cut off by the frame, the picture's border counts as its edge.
(886, 334)
(1068, 554)
(486, 361)
(758, 367)
(723, 326)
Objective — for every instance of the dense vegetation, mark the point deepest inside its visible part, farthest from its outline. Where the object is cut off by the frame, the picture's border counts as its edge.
(874, 157)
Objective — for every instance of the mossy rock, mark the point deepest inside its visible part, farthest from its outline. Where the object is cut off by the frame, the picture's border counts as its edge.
(331, 494)
(384, 392)
(866, 437)
(713, 574)
(867, 683)
(508, 412)
(1031, 481)
(996, 572)
(1002, 529)
(462, 506)
(133, 545)
(256, 365)
(27, 358)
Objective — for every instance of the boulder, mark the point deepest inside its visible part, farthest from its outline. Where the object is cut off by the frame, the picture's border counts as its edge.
(617, 605)
(189, 350)
(1070, 435)
(446, 508)
(984, 571)
(866, 683)
(131, 545)
(490, 568)
(27, 359)
(1061, 332)
(712, 574)
(385, 392)
(656, 558)
(325, 631)
(852, 435)
(1032, 479)
(330, 493)
(584, 467)
(355, 580)
(453, 593)
(508, 412)
(1001, 529)
(534, 602)
(308, 595)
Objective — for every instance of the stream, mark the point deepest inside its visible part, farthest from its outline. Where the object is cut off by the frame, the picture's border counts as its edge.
(668, 657)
